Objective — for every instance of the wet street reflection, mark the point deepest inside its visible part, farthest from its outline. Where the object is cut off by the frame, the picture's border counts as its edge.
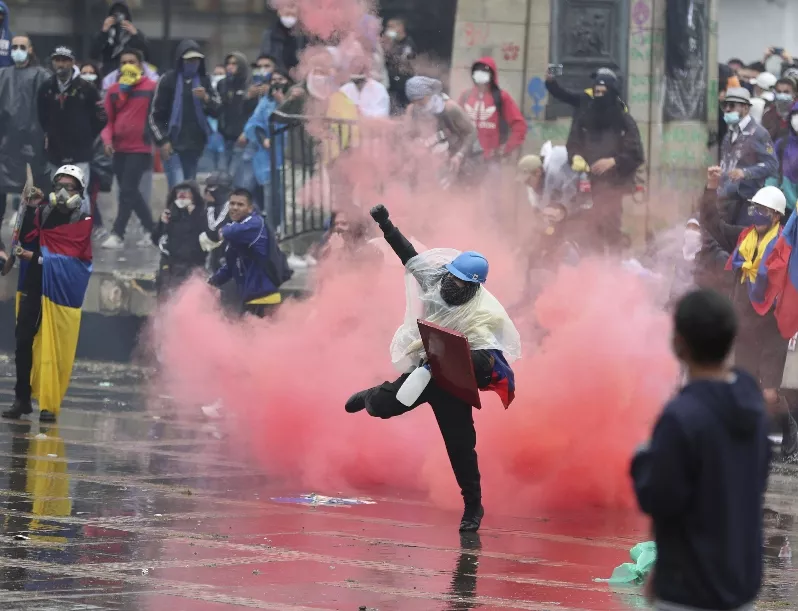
(124, 508)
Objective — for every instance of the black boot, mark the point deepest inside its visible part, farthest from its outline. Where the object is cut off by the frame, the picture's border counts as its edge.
(18, 409)
(46, 416)
(359, 401)
(472, 518)
(789, 440)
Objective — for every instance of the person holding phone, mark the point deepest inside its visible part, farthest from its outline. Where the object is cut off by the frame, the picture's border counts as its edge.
(178, 118)
(117, 34)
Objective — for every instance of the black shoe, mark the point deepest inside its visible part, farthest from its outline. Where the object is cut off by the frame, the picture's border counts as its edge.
(18, 409)
(358, 402)
(472, 519)
(46, 416)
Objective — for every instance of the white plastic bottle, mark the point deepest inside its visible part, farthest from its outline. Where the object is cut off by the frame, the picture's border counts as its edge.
(414, 385)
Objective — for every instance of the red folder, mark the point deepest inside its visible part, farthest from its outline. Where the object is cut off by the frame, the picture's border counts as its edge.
(450, 361)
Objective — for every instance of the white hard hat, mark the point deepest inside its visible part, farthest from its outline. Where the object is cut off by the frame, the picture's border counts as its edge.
(73, 171)
(771, 197)
(766, 80)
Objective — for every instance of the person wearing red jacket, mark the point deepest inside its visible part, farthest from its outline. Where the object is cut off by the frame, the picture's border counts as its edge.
(127, 138)
(500, 125)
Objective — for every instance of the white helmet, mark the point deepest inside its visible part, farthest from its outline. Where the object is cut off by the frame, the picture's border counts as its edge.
(771, 197)
(73, 171)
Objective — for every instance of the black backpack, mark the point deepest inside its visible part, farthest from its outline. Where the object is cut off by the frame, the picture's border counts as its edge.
(275, 266)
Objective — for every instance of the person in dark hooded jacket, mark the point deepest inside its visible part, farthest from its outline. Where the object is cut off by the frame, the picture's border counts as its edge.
(118, 33)
(177, 235)
(606, 137)
(5, 37)
(702, 478)
(238, 104)
(178, 119)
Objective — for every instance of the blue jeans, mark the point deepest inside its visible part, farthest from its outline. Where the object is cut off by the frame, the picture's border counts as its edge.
(232, 160)
(181, 166)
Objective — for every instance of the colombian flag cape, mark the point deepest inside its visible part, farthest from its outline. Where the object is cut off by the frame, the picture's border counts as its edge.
(66, 268)
(502, 379)
(752, 258)
(783, 274)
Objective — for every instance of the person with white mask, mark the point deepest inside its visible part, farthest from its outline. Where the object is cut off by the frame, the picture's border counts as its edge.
(23, 139)
(763, 94)
(370, 96)
(284, 40)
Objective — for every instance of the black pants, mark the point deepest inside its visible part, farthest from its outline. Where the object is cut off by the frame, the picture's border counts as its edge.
(599, 228)
(28, 321)
(129, 168)
(456, 422)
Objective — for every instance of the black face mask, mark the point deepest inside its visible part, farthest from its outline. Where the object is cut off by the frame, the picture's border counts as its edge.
(455, 295)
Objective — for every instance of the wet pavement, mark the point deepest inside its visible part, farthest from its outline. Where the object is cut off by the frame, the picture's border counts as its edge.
(118, 509)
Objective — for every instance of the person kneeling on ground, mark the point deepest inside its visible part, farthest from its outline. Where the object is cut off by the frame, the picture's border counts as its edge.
(703, 476)
(252, 257)
(55, 266)
(177, 235)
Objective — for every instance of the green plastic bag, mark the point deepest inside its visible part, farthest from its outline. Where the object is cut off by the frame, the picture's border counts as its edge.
(644, 556)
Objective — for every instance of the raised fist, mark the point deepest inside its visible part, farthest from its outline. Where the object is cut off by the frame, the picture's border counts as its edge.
(380, 214)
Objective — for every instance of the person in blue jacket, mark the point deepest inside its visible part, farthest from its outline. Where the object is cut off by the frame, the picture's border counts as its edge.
(248, 257)
(259, 133)
(5, 37)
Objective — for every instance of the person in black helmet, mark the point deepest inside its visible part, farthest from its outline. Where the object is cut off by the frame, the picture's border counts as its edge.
(454, 297)
(605, 137)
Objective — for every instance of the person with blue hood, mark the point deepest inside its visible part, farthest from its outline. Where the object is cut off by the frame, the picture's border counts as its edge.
(5, 37)
(446, 288)
(178, 119)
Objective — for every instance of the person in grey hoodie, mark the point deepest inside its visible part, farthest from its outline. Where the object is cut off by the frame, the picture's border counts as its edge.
(702, 478)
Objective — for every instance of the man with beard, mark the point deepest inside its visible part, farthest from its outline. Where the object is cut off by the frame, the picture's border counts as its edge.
(607, 138)
(450, 288)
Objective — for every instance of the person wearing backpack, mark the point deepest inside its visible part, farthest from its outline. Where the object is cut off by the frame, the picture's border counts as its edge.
(500, 125)
(252, 257)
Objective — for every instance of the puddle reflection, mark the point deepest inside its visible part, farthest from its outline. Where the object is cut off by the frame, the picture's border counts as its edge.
(464, 578)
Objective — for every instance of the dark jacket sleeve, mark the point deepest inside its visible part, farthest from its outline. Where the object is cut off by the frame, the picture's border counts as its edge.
(98, 45)
(266, 44)
(43, 107)
(631, 156)
(213, 106)
(161, 109)
(575, 143)
(483, 367)
(97, 110)
(661, 472)
(572, 98)
(725, 234)
(398, 242)
(140, 42)
(158, 232)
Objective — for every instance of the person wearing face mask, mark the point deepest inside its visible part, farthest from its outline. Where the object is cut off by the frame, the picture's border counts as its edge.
(605, 136)
(763, 95)
(237, 107)
(684, 266)
(71, 116)
(776, 117)
(127, 140)
(500, 125)
(453, 128)
(787, 154)
(747, 157)
(284, 40)
(23, 139)
(370, 96)
(760, 349)
(447, 288)
(177, 236)
(400, 51)
(55, 266)
(178, 119)
(117, 34)
(262, 71)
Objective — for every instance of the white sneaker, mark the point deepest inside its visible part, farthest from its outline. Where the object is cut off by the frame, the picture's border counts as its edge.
(113, 242)
(311, 260)
(146, 240)
(295, 262)
(99, 234)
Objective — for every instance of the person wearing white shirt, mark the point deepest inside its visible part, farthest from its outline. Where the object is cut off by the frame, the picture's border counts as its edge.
(370, 96)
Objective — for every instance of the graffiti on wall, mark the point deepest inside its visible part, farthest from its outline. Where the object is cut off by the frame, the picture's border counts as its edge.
(537, 91)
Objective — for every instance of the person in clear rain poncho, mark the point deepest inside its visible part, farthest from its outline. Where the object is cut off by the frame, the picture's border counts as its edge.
(445, 287)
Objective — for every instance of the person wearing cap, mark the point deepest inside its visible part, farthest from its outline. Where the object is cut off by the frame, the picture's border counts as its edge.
(606, 137)
(762, 94)
(178, 118)
(747, 156)
(760, 348)
(117, 35)
(530, 173)
(577, 99)
(5, 37)
(71, 117)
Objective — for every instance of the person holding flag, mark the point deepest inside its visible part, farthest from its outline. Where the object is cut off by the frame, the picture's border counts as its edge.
(55, 266)
(445, 287)
(755, 254)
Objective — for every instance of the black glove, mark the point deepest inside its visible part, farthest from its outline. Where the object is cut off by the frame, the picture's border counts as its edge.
(380, 214)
